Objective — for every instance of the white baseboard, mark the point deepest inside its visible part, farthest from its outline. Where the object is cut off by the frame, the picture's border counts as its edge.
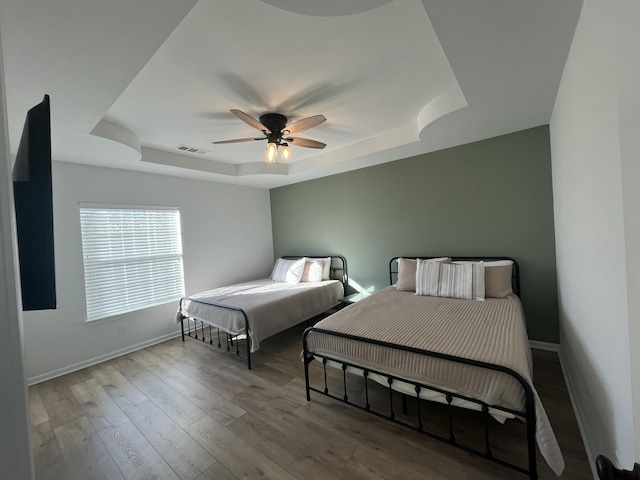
(102, 358)
(584, 433)
(550, 347)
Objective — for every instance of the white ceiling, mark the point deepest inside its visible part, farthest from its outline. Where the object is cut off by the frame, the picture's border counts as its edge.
(130, 81)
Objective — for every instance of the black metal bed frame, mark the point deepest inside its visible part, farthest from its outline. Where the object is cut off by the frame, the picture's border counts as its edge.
(528, 414)
(338, 272)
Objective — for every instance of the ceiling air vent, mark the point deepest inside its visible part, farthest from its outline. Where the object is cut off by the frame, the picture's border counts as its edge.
(187, 148)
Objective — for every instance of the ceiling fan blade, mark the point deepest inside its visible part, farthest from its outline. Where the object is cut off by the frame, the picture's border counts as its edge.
(248, 119)
(304, 124)
(238, 140)
(305, 142)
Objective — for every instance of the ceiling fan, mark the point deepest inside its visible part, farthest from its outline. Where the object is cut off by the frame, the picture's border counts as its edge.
(276, 132)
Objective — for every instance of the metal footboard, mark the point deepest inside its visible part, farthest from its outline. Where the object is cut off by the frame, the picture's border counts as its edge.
(528, 414)
(230, 339)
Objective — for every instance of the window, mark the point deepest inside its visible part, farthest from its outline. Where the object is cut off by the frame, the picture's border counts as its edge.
(132, 258)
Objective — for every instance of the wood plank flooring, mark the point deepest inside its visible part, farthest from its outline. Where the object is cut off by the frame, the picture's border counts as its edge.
(188, 411)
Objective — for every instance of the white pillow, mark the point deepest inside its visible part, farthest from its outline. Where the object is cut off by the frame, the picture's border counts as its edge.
(406, 278)
(313, 268)
(452, 280)
(326, 268)
(289, 271)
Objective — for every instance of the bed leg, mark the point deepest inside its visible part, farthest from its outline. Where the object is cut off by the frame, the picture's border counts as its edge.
(452, 437)
(306, 360)
(248, 353)
(365, 375)
(487, 443)
(420, 426)
(392, 415)
(531, 434)
(182, 326)
(344, 382)
(306, 376)
(405, 409)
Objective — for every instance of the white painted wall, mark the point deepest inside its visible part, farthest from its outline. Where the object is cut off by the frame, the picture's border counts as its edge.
(594, 130)
(15, 457)
(226, 232)
(628, 58)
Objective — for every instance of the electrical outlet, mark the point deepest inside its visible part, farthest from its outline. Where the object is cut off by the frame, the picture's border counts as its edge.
(121, 329)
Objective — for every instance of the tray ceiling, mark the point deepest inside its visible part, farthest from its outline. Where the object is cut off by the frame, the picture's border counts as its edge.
(131, 83)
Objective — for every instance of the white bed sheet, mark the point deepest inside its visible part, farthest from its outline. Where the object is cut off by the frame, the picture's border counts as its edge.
(271, 307)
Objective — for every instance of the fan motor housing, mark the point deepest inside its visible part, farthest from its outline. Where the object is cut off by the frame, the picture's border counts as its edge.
(274, 122)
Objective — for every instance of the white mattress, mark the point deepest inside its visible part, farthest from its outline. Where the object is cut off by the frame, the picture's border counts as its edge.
(271, 307)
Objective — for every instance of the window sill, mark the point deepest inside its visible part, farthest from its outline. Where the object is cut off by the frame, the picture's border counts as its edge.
(132, 314)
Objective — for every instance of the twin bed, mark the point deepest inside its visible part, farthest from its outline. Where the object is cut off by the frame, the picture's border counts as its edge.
(299, 288)
(417, 341)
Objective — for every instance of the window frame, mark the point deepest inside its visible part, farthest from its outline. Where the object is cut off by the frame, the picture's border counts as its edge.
(178, 255)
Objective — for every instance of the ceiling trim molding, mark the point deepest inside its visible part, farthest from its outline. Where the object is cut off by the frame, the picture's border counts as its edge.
(118, 133)
(443, 104)
(170, 159)
(327, 8)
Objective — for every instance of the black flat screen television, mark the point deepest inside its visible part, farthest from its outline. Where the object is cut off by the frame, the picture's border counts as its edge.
(33, 198)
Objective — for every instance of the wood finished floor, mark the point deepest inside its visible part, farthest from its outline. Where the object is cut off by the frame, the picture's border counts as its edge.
(187, 411)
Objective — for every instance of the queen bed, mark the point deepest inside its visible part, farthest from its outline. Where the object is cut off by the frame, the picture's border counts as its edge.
(298, 289)
(419, 338)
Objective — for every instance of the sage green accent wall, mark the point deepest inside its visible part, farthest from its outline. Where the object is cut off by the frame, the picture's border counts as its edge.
(488, 198)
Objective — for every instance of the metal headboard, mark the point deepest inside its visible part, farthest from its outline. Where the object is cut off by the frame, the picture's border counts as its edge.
(338, 270)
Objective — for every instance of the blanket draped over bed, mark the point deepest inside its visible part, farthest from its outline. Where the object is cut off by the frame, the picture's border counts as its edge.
(265, 299)
(491, 331)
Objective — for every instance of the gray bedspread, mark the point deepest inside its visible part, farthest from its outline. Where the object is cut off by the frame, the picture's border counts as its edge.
(491, 331)
(271, 307)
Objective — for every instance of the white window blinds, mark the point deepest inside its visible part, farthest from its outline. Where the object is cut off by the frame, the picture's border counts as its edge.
(132, 259)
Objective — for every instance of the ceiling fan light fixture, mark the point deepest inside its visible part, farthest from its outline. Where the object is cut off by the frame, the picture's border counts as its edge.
(285, 152)
(276, 131)
(271, 152)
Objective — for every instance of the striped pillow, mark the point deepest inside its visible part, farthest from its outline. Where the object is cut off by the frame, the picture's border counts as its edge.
(407, 272)
(289, 271)
(464, 281)
(497, 278)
